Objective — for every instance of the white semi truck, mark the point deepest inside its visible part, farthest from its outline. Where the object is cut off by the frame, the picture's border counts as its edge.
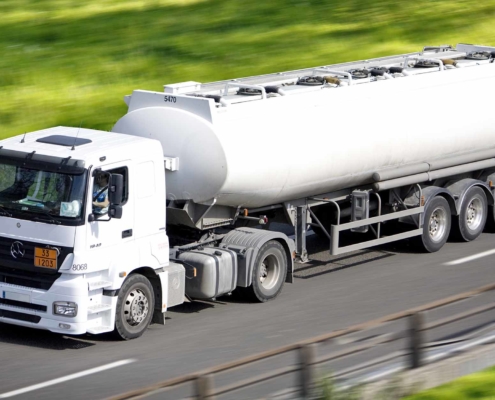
(385, 149)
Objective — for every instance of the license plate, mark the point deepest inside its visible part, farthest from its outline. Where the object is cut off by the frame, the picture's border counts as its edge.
(45, 258)
(16, 296)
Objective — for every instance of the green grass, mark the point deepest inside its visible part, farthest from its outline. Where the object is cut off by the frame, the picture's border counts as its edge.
(71, 62)
(479, 386)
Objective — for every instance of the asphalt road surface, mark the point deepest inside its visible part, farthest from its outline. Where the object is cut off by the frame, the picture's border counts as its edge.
(329, 293)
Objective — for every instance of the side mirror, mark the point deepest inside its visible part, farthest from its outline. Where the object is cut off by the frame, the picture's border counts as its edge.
(115, 190)
(115, 212)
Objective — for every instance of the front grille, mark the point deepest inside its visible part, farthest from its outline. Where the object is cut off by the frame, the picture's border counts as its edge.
(23, 304)
(21, 271)
(26, 261)
(19, 316)
(32, 280)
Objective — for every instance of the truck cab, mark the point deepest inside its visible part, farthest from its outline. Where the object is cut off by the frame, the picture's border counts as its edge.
(63, 259)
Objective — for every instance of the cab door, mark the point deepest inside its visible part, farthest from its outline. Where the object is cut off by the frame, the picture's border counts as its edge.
(110, 241)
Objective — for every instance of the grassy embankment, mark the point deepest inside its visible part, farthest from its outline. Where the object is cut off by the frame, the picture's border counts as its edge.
(480, 386)
(67, 61)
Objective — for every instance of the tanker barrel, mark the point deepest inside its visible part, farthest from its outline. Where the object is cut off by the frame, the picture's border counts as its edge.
(394, 173)
(462, 159)
(400, 172)
(432, 175)
(460, 169)
(394, 183)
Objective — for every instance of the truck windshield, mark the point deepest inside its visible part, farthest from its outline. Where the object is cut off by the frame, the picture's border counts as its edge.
(41, 195)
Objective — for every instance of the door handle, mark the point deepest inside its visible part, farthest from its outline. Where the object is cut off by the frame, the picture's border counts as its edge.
(126, 233)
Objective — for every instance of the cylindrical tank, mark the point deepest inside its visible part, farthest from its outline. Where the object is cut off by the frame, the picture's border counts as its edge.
(273, 150)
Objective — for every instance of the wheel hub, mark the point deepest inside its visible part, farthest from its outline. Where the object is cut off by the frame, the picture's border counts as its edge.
(269, 271)
(474, 214)
(436, 226)
(263, 272)
(136, 307)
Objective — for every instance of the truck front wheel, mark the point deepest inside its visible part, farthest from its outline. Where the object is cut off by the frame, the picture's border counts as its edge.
(269, 271)
(135, 305)
(436, 225)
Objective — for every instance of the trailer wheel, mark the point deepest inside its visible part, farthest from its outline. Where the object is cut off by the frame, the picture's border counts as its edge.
(436, 225)
(135, 305)
(473, 215)
(269, 272)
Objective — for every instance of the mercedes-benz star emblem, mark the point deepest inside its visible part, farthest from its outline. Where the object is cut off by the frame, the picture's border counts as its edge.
(17, 250)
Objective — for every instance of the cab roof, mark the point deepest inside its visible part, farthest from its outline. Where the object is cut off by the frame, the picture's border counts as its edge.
(89, 145)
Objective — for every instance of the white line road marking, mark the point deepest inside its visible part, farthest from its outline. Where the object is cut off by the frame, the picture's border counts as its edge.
(66, 378)
(470, 258)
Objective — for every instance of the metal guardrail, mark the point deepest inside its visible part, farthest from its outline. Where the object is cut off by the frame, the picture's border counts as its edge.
(415, 352)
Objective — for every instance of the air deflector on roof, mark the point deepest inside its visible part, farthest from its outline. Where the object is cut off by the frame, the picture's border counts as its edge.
(62, 140)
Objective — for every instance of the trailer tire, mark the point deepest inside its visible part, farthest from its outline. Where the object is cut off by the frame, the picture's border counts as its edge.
(135, 305)
(472, 216)
(269, 272)
(436, 225)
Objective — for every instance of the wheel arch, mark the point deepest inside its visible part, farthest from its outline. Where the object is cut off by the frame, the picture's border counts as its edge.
(430, 192)
(460, 188)
(246, 242)
(152, 275)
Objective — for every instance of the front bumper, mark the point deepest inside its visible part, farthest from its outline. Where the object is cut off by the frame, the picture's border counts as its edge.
(33, 308)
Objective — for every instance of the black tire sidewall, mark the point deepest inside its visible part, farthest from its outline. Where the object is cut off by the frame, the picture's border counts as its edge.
(122, 328)
(430, 245)
(466, 233)
(269, 248)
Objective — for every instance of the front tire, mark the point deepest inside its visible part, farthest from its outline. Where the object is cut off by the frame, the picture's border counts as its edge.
(135, 305)
(436, 225)
(269, 272)
(473, 215)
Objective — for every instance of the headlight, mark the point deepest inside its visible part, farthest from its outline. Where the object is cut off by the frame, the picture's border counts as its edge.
(65, 308)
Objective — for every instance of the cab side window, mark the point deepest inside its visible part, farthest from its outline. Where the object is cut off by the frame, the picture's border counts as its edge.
(124, 171)
(100, 189)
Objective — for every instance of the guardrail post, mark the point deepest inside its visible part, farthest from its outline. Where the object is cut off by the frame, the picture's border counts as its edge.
(307, 358)
(416, 323)
(204, 387)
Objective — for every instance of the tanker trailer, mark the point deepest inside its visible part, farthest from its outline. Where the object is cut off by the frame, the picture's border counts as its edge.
(205, 181)
(404, 141)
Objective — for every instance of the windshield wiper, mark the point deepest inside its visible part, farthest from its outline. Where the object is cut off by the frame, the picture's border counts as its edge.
(50, 221)
(4, 212)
